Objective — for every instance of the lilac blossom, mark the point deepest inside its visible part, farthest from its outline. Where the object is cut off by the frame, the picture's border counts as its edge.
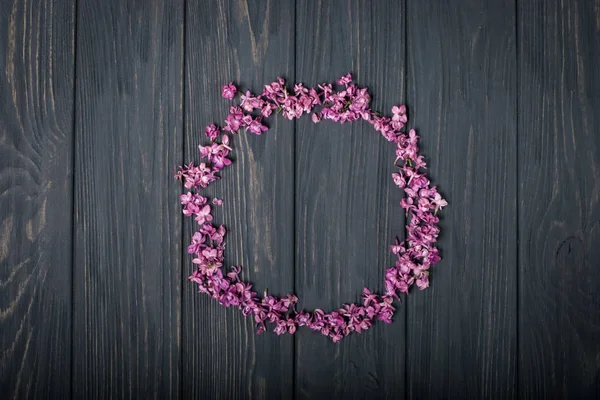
(229, 91)
(256, 127)
(212, 132)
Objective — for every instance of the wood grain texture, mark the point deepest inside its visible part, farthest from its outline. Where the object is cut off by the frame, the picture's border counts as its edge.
(462, 92)
(347, 207)
(36, 134)
(250, 42)
(129, 140)
(559, 199)
(504, 95)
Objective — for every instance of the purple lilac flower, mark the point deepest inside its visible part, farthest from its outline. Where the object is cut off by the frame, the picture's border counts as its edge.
(229, 91)
(256, 127)
(212, 132)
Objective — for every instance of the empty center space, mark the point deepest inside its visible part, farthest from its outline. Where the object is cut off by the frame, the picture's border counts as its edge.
(346, 211)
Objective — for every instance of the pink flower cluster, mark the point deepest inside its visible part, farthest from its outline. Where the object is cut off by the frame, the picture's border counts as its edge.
(415, 255)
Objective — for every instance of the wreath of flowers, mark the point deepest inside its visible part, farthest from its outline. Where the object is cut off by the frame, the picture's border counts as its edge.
(348, 103)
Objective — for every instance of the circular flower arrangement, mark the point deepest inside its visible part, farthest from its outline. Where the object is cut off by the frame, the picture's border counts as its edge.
(348, 103)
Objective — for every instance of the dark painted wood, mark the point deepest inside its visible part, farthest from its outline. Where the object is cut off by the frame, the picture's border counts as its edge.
(347, 207)
(36, 144)
(504, 95)
(128, 251)
(559, 199)
(250, 42)
(462, 331)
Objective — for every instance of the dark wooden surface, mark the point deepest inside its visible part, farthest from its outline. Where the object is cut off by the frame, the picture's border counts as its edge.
(100, 101)
(346, 211)
(559, 198)
(37, 75)
(127, 227)
(250, 43)
(462, 89)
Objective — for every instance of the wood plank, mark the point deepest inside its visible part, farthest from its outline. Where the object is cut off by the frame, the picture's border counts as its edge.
(37, 65)
(462, 90)
(347, 207)
(559, 198)
(251, 43)
(129, 140)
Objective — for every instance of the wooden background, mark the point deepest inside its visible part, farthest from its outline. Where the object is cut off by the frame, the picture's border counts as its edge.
(101, 100)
